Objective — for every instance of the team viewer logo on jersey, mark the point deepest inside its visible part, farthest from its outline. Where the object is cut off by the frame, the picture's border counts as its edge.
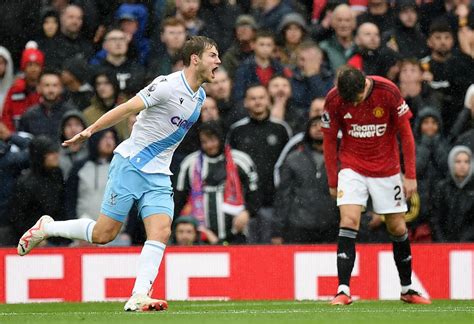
(366, 131)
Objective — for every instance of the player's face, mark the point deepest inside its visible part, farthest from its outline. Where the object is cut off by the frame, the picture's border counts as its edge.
(429, 127)
(210, 144)
(185, 234)
(462, 165)
(208, 64)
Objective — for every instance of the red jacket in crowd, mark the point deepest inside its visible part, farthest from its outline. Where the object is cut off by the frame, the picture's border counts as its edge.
(19, 98)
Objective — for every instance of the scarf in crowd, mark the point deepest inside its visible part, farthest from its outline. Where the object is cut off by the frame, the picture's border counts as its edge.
(233, 198)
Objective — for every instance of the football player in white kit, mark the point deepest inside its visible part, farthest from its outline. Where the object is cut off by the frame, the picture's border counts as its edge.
(139, 171)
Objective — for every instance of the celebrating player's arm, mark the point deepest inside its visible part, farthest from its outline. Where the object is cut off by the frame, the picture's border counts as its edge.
(112, 117)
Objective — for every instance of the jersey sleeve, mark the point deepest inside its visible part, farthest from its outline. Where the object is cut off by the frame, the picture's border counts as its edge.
(402, 109)
(155, 93)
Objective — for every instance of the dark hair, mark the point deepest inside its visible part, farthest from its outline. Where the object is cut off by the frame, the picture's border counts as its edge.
(440, 25)
(173, 22)
(412, 61)
(196, 45)
(350, 83)
(212, 128)
(255, 85)
(264, 33)
(50, 72)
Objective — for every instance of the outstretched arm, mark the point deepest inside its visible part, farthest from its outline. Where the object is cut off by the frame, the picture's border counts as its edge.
(112, 117)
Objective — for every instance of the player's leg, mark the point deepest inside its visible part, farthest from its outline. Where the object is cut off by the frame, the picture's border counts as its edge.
(389, 200)
(156, 208)
(352, 196)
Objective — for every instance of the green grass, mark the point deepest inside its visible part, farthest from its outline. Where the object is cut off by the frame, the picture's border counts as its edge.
(195, 312)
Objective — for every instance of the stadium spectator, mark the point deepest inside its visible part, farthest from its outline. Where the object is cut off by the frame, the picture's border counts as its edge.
(291, 33)
(317, 107)
(259, 68)
(85, 186)
(209, 110)
(263, 139)
(283, 107)
(185, 231)
(340, 47)
(75, 77)
(72, 123)
(242, 48)
(431, 164)
(453, 204)
(371, 57)
(221, 89)
(107, 96)
(269, 13)
(70, 42)
(466, 138)
(14, 158)
(379, 13)
(221, 185)
(129, 74)
(40, 190)
(187, 11)
(23, 93)
(50, 30)
(132, 19)
(45, 117)
(6, 74)
(166, 50)
(304, 211)
(435, 67)
(310, 77)
(219, 18)
(405, 37)
(414, 90)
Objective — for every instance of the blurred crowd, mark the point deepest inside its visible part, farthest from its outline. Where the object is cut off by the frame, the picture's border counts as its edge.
(252, 170)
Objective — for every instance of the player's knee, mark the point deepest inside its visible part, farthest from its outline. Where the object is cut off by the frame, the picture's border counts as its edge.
(160, 234)
(350, 222)
(397, 229)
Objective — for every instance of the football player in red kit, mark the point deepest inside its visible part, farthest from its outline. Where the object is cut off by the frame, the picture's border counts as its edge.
(370, 112)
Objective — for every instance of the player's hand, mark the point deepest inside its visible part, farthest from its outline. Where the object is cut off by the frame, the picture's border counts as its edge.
(240, 222)
(277, 240)
(79, 138)
(409, 187)
(333, 192)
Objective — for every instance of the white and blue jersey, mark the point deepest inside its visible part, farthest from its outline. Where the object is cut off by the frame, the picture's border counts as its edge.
(171, 110)
(140, 171)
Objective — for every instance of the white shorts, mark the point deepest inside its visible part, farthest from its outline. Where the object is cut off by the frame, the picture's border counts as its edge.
(386, 193)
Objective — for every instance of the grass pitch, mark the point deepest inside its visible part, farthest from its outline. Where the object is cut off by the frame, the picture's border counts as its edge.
(261, 312)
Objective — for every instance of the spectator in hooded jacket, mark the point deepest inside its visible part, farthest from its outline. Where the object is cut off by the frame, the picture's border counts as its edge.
(380, 13)
(86, 184)
(453, 219)
(72, 123)
(39, 191)
(6, 74)
(75, 77)
(304, 211)
(292, 32)
(431, 164)
(22, 94)
(48, 36)
(107, 96)
(45, 117)
(13, 159)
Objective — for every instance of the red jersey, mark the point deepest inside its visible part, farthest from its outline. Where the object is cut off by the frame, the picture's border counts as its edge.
(369, 143)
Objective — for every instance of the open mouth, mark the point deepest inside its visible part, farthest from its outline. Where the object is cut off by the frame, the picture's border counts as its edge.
(213, 72)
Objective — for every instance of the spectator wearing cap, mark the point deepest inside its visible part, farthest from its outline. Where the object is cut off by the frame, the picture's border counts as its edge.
(379, 13)
(406, 37)
(129, 74)
(70, 42)
(340, 47)
(6, 74)
(166, 50)
(23, 93)
(75, 77)
(242, 48)
(45, 117)
(132, 19)
(269, 13)
(219, 19)
(292, 32)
